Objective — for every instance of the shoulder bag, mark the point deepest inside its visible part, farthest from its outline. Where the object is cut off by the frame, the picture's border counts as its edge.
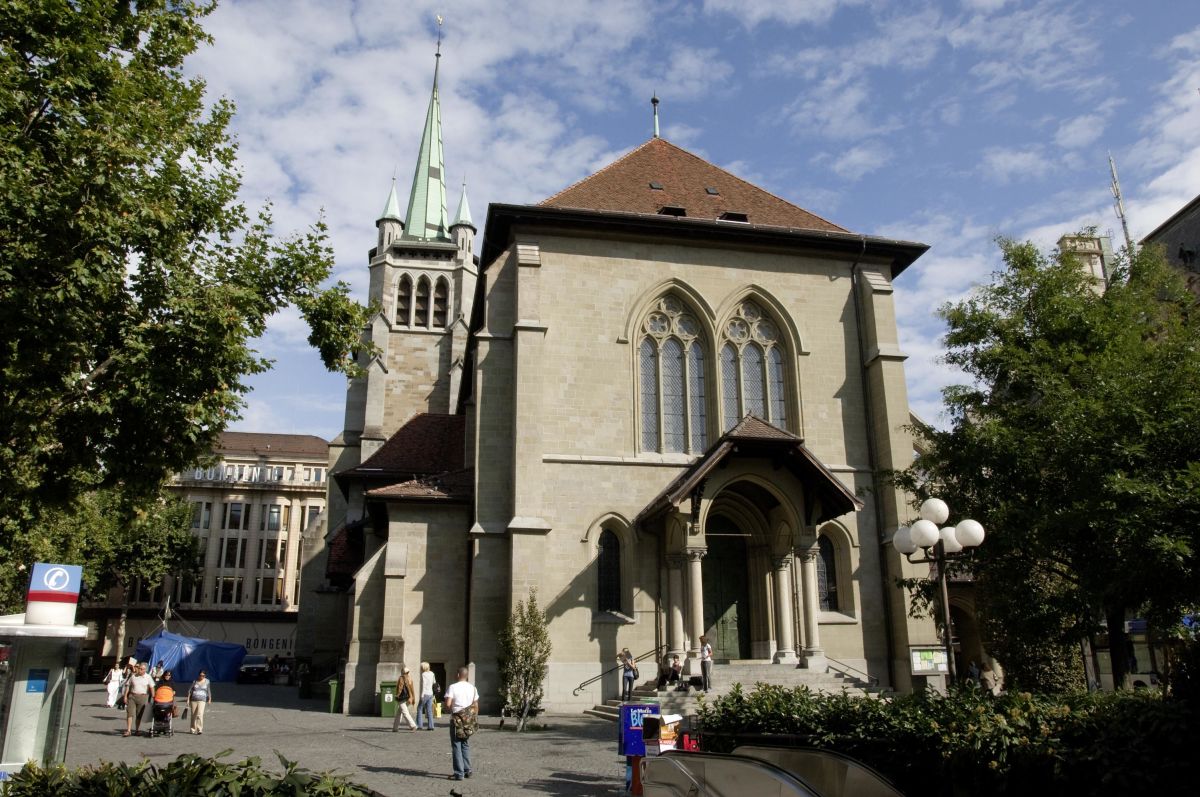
(466, 723)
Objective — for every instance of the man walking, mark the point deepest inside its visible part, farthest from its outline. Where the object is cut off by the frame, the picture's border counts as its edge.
(462, 698)
(137, 694)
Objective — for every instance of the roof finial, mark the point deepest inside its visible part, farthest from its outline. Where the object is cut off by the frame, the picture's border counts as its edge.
(438, 54)
(654, 102)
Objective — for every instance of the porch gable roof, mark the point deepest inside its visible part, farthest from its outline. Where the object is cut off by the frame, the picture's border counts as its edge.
(825, 497)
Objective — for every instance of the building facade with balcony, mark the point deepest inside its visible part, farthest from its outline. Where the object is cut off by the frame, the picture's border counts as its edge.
(251, 508)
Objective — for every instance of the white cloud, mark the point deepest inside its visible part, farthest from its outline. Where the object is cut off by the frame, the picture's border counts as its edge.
(789, 12)
(860, 160)
(1005, 164)
(1080, 131)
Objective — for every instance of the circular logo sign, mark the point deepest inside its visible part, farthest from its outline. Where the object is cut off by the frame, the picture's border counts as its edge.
(56, 578)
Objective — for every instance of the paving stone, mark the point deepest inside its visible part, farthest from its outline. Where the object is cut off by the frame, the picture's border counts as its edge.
(572, 755)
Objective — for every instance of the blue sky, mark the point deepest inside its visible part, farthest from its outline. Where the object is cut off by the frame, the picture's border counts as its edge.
(946, 122)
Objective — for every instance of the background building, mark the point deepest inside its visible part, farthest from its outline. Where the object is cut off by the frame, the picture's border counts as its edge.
(250, 509)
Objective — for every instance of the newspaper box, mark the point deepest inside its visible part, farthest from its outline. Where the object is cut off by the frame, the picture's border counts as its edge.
(660, 732)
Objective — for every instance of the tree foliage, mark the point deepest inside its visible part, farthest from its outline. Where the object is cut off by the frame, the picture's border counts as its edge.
(524, 659)
(1077, 447)
(132, 280)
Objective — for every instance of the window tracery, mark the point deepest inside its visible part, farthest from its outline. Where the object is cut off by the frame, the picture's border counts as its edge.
(753, 374)
(672, 380)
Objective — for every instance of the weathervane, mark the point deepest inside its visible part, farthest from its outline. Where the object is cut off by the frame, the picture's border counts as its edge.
(439, 41)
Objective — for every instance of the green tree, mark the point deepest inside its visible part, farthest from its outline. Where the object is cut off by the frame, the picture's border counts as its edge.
(524, 659)
(132, 280)
(119, 541)
(1077, 446)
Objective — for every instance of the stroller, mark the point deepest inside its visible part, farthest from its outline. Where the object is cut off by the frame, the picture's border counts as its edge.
(162, 710)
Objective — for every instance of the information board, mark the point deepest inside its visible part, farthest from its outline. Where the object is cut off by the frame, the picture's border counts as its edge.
(928, 661)
(632, 715)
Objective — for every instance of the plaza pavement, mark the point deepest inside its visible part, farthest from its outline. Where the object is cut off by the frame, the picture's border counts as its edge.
(574, 755)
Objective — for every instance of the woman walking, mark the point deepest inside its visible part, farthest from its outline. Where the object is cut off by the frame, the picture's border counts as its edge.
(425, 708)
(199, 696)
(629, 674)
(404, 699)
(113, 682)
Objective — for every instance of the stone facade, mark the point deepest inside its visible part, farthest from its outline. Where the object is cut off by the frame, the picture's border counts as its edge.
(660, 399)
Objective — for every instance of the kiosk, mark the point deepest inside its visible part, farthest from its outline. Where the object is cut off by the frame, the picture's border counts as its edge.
(39, 653)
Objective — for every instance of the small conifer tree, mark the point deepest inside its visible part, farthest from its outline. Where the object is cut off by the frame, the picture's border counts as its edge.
(524, 659)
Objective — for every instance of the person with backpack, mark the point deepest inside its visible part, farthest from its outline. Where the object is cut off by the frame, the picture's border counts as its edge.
(405, 697)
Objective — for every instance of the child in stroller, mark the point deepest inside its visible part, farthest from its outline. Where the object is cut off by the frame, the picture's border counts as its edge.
(162, 711)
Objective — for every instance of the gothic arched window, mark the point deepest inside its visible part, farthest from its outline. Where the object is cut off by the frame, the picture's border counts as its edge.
(672, 384)
(753, 374)
(827, 587)
(609, 573)
(421, 311)
(404, 289)
(441, 294)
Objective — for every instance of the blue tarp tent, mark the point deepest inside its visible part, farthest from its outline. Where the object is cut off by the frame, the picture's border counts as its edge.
(186, 656)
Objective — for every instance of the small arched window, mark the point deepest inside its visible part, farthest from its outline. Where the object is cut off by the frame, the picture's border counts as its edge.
(827, 587)
(421, 315)
(441, 295)
(404, 289)
(609, 573)
(753, 374)
(671, 380)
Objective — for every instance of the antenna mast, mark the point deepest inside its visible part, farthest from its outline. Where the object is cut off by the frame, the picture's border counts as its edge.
(1119, 204)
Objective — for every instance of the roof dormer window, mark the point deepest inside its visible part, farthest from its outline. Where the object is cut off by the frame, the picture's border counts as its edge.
(671, 210)
(730, 215)
(708, 189)
(656, 186)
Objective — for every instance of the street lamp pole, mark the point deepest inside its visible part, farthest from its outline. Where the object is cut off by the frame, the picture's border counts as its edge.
(939, 546)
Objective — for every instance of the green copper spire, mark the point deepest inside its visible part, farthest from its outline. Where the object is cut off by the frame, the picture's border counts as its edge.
(463, 216)
(427, 202)
(392, 209)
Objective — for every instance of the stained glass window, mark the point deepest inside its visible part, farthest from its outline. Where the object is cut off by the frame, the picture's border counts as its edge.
(609, 573)
(752, 380)
(673, 407)
(729, 386)
(697, 415)
(753, 377)
(826, 575)
(777, 384)
(648, 373)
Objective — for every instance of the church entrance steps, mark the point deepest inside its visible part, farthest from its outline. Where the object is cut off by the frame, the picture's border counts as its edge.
(747, 673)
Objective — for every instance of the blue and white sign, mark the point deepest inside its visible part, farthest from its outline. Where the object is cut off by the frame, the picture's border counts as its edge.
(37, 681)
(55, 579)
(630, 741)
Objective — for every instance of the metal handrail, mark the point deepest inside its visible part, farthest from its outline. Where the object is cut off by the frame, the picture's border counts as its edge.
(871, 679)
(652, 652)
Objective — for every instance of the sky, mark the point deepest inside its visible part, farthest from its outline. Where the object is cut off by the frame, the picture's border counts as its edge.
(947, 122)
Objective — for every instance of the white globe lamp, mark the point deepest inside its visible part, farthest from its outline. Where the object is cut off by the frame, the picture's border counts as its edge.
(924, 533)
(949, 541)
(969, 533)
(902, 541)
(935, 510)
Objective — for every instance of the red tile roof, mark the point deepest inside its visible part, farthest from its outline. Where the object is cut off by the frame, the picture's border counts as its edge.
(458, 485)
(685, 180)
(262, 444)
(429, 443)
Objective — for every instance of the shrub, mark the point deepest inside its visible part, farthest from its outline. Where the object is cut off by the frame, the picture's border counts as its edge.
(188, 774)
(970, 743)
(524, 659)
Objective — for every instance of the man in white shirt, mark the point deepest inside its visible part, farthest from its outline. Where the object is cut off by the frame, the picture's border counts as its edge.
(461, 696)
(705, 663)
(137, 694)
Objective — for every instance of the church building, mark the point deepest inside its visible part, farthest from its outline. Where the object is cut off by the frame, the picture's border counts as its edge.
(659, 397)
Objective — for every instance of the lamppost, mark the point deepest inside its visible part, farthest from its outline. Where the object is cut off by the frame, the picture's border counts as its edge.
(939, 546)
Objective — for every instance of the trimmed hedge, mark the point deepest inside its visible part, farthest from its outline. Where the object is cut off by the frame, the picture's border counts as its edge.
(188, 774)
(971, 743)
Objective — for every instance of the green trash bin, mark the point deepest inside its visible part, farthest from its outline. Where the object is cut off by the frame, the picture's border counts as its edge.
(335, 696)
(387, 699)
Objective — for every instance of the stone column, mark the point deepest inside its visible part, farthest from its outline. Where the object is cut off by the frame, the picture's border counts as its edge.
(781, 575)
(814, 655)
(675, 605)
(695, 609)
